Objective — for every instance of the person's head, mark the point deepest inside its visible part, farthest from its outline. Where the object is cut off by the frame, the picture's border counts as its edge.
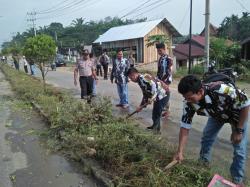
(160, 48)
(104, 52)
(133, 74)
(191, 88)
(91, 55)
(85, 54)
(119, 54)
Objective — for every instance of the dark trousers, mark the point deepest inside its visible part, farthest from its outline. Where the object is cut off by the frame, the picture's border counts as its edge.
(99, 70)
(86, 84)
(26, 69)
(105, 69)
(158, 107)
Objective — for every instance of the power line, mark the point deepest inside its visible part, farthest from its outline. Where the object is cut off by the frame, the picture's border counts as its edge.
(146, 11)
(242, 6)
(185, 16)
(70, 5)
(72, 10)
(51, 8)
(135, 9)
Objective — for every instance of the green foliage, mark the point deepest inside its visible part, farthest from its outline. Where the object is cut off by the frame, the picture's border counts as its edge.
(77, 34)
(159, 38)
(132, 156)
(197, 70)
(224, 52)
(235, 28)
(40, 49)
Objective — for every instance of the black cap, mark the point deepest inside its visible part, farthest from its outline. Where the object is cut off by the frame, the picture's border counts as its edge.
(160, 46)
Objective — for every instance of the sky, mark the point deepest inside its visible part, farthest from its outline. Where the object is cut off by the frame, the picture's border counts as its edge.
(13, 13)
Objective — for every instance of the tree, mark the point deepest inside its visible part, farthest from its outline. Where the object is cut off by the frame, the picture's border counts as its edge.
(225, 52)
(41, 50)
(159, 38)
(218, 49)
(235, 28)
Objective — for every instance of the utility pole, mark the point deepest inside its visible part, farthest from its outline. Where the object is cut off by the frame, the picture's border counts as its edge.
(207, 16)
(32, 19)
(190, 38)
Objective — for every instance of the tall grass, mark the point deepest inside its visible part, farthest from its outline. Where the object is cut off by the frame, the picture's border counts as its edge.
(132, 156)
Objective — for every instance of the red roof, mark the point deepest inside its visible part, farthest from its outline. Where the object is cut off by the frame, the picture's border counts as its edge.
(181, 51)
(199, 39)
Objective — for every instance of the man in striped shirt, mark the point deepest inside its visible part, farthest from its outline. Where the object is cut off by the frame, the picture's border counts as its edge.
(153, 91)
(222, 103)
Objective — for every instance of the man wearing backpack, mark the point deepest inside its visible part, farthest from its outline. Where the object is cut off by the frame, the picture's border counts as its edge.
(104, 60)
(223, 103)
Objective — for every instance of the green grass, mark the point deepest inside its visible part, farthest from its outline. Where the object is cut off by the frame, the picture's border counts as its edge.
(132, 156)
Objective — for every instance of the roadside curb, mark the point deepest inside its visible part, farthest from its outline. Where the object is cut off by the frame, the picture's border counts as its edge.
(96, 171)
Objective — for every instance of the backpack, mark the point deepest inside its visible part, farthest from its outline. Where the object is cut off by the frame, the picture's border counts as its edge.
(215, 77)
(220, 77)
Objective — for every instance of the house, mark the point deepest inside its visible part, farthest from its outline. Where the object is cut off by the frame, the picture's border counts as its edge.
(181, 51)
(245, 49)
(212, 30)
(133, 39)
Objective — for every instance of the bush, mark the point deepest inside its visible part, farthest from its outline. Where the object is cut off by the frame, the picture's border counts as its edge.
(132, 156)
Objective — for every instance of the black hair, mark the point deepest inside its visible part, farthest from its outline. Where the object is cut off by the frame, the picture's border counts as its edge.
(160, 46)
(91, 55)
(131, 70)
(119, 50)
(189, 83)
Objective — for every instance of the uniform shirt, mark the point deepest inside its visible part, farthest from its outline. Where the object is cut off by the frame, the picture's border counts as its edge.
(151, 89)
(164, 69)
(85, 68)
(221, 101)
(120, 67)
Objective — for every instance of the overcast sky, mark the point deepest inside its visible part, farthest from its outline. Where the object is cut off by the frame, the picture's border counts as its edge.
(14, 12)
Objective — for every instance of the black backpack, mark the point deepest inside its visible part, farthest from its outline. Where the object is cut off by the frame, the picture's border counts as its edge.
(215, 77)
(220, 77)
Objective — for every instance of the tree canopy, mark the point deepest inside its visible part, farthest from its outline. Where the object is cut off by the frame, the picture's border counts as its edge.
(235, 28)
(80, 32)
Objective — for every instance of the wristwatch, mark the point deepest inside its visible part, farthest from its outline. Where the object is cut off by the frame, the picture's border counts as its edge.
(239, 130)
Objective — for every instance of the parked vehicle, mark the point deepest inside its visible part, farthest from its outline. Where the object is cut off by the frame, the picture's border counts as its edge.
(59, 60)
(226, 71)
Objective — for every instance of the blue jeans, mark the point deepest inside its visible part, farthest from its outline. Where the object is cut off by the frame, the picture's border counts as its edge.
(32, 69)
(123, 93)
(94, 88)
(158, 107)
(210, 132)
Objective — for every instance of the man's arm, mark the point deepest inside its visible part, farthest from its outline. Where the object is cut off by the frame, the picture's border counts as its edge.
(183, 136)
(112, 72)
(237, 133)
(75, 75)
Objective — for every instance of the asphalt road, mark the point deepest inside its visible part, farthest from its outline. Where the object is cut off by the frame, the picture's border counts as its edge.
(24, 158)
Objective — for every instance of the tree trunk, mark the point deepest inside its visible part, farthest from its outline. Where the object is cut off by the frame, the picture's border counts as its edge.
(41, 67)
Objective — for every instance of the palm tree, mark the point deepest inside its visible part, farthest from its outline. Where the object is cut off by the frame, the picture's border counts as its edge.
(159, 38)
(78, 22)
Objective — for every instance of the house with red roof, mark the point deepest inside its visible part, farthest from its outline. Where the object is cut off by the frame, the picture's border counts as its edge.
(181, 51)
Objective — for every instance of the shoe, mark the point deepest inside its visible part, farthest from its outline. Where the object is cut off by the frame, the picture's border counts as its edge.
(119, 105)
(125, 106)
(150, 127)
